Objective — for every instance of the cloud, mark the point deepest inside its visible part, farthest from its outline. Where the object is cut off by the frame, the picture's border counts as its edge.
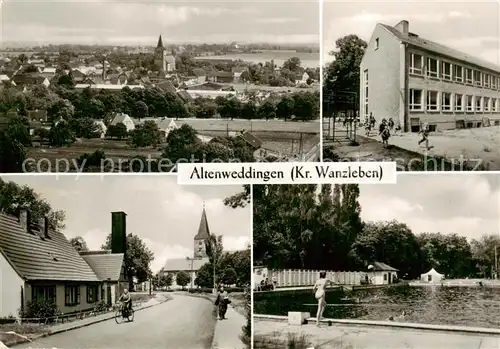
(467, 205)
(279, 20)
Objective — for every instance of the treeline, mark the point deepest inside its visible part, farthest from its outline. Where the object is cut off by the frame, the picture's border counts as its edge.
(319, 227)
(62, 102)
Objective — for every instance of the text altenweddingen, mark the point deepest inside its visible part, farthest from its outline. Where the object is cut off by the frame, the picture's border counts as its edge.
(243, 173)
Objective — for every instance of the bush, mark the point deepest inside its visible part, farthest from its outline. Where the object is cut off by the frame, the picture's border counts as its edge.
(40, 309)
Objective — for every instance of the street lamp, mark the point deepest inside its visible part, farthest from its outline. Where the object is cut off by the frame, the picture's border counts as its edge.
(191, 275)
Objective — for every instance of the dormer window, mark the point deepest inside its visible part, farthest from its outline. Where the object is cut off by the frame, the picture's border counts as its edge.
(376, 43)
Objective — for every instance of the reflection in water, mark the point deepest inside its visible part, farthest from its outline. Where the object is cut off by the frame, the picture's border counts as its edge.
(471, 306)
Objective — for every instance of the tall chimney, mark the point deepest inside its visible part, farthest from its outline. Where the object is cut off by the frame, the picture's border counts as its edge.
(119, 232)
(25, 220)
(43, 227)
(403, 26)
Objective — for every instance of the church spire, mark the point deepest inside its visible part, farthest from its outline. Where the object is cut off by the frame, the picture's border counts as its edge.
(203, 230)
(160, 43)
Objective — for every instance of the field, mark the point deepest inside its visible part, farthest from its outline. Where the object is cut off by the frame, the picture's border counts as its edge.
(252, 87)
(468, 149)
(278, 136)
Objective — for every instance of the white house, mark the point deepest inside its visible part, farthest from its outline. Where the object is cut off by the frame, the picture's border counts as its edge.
(382, 274)
(101, 127)
(432, 277)
(303, 79)
(166, 125)
(124, 119)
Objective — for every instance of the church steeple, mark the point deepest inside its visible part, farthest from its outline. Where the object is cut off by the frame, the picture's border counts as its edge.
(160, 43)
(202, 236)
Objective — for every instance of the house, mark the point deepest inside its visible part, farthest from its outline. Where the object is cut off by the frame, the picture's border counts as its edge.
(237, 71)
(191, 265)
(101, 128)
(259, 274)
(303, 79)
(108, 87)
(209, 93)
(251, 140)
(30, 79)
(39, 262)
(165, 125)
(382, 274)
(110, 269)
(78, 75)
(414, 81)
(200, 76)
(167, 86)
(186, 97)
(49, 73)
(124, 119)
(432, 277)
(221, 77)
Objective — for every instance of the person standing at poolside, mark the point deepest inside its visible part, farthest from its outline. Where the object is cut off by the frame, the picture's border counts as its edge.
(319, 290)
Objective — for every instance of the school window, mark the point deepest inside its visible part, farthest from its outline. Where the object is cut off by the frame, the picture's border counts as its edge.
(470, 103)
(486, 79)
(498, 82)
(494, 82)
(92, 294)
(446, 101)
(468, 76)
(72, 295)
(487, 104)
(459, 100)
(479, 104)
(446, 71)
(416, 99)
(432, 67)
(458, 72)
(477, 78)
(496, 104)
(377, 42)
(47, 293)
(432, 100)
(416, 63)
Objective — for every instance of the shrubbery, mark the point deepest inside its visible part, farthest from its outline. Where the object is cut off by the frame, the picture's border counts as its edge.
(40, 309)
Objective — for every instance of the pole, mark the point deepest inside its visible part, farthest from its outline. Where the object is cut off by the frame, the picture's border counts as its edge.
(496, 263)
(191, 276)
(215, 285)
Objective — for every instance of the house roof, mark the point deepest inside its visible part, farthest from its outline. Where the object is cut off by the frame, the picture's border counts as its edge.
(164, 123)
(378, 266)
(107, 266)
(203, 230)
(185, 96)
(432, 272)
(160, 43)
(199, 72)
(167, 86)
(119, 118)
(251, 139)
(34, 258)
(428, 45)
(179, 264)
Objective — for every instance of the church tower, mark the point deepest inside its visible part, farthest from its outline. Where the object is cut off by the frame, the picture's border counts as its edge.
(202, 236)
(159, 56)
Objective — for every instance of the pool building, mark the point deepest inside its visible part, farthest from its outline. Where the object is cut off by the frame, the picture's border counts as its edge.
(415, 81)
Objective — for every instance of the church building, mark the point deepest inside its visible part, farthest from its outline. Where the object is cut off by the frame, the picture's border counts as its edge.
(191, 265)
(165, 62)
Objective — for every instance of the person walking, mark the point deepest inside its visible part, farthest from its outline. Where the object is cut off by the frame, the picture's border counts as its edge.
(222, 302)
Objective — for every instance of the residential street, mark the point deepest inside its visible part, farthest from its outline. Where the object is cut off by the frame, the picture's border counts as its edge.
(182, 323)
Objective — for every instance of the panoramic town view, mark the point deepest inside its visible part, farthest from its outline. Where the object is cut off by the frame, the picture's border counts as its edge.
(418, 85)
(158, 84)
(409, 265)
(134, 270)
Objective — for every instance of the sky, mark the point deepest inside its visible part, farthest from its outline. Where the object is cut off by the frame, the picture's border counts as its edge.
(471, 27)
(140, 22)
(465, 204)
(164, 214)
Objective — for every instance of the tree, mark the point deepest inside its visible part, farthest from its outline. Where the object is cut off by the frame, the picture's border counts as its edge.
(229, 276)
(214, 250)
(205, 276)
(249, 110)
(12, 154)
(118, 131)
(61, 135)
(42, 134)
(145, 135)
(182, 278)
(342, 75)
(18, 128)
(292, 64)
(163, 279)
(267, 110)
(137, 260)
(181, 144)
(13, 197)
(141, 110)
(78, 244)
(240, 199)
(285, 108)
(85, 128)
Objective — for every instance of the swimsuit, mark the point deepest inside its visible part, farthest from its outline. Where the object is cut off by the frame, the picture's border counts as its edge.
(320, 293)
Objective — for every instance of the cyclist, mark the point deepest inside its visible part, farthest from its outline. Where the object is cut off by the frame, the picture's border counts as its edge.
(127, 302)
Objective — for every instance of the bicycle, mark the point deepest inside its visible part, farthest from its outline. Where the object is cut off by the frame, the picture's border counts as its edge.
(122, 314)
